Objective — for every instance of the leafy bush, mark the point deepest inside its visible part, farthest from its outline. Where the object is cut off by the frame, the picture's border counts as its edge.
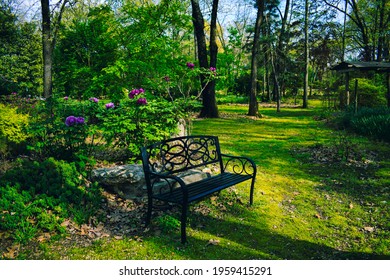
(12, 128)
(372, 122)
(69, 129)
(377, 126)
(12, 124)
(37, 196)
(369, 94)
(226, 99)
(52, 135)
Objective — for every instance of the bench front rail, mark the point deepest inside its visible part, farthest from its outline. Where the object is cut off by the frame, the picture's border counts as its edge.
(165, 163)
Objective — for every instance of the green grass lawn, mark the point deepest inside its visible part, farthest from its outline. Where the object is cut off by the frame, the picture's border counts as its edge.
(320, 194)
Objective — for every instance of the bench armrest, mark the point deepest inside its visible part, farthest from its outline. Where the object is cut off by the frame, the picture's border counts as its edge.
(239, 165)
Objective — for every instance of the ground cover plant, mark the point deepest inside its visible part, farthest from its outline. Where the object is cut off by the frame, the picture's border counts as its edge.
(320, 194)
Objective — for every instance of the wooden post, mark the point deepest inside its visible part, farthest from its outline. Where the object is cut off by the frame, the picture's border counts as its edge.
(356, 96)
(347, 88)
(344, 99)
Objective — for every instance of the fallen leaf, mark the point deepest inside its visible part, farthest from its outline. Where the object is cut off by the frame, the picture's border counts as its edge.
(318, 216)
(350, 205)
(44, 237)
(369, 229)
(213, 242)
(84, 229)
(12, 252)
(65, 223)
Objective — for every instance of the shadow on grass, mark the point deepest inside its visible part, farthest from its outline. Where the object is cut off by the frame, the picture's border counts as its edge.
(253, 242)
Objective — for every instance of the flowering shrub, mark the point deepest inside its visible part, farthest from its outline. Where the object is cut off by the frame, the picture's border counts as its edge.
(134, 92)
(71, 120)
(65, 128)
(110, 105)
(190, 65)
(69, 129)
(142, 101)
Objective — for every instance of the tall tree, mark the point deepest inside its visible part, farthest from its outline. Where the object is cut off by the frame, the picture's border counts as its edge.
(209, 109)
(48, 42)
(253, 106)
(306, 78)
(368, 24)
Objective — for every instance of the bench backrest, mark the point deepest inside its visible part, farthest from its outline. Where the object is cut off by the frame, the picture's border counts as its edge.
(180, 154)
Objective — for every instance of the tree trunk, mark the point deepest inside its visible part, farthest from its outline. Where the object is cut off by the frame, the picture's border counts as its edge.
(210, 109)
(47, 49)
(306, 81)
(382, 26)
(253, 106)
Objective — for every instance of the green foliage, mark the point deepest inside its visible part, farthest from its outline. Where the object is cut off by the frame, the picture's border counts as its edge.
(372, 122)
(86, 49)
(38, 196)
(20, 55)
(231, 99)
(376, 125)
(128, 124)
(12, 124)
(131, 125)
(13, 127)
(51, 137)
(102, 53)
(168, 223)
(370, 92)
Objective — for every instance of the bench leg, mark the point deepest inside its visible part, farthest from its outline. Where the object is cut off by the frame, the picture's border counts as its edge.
(184, 223)
(252, 190)
(149, 213)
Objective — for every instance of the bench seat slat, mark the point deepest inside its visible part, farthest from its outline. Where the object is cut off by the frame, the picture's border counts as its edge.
(201, 189)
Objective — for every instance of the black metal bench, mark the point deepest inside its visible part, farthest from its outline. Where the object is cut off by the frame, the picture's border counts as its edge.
(165, 161)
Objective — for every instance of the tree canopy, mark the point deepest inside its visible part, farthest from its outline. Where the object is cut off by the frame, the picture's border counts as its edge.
(97, 50)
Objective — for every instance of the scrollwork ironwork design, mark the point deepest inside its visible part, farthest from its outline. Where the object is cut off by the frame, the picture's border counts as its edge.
(182, 153)
(239, 165)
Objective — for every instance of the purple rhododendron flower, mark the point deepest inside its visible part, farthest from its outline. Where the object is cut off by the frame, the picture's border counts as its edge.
(66, 98)
(213, 69)
(110, 105)
(71, 120)
(94, 99)
(142, 101)
(135, 92)
(80, 120)
(190, 65)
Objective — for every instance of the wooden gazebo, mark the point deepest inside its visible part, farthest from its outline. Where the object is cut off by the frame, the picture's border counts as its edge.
(352, 66)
